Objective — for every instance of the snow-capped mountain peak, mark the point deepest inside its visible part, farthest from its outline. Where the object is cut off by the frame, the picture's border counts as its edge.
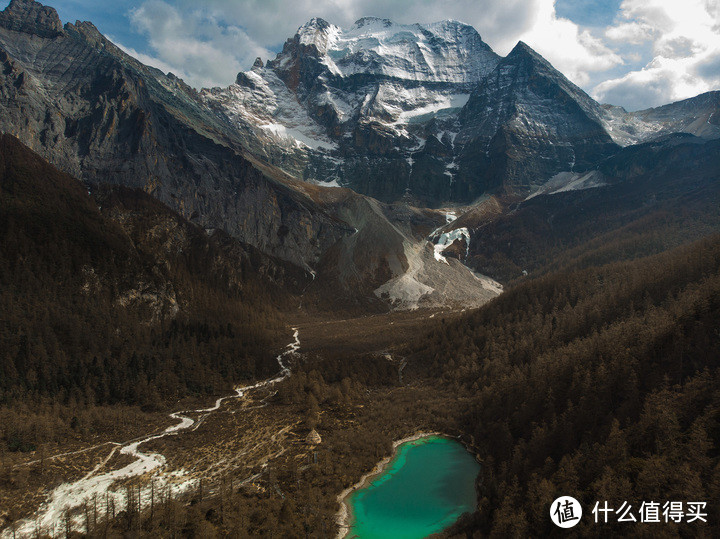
(329, 85)
(429, 110)
(318, 32)
(447, 51)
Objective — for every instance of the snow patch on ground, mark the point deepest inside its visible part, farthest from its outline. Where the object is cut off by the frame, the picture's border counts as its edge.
(570, 181)
(331, 183)
(296, 136)
(446, 239)
(439, 103)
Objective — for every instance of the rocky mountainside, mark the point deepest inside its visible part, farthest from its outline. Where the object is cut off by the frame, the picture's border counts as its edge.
(654, 196)
(358, 101)
(698, 116)
(525, 123)
(416, 116)
(430, 114)
(31, 18)
(100, 115)
(102, 291)
(95, 112)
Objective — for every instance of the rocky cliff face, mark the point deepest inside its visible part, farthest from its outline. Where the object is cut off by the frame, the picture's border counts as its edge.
(524, 123)
(100, 115)
(32, 18)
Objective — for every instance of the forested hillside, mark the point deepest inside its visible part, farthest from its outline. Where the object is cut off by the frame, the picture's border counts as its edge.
(125, 302)
(659, 195)
(601, 383)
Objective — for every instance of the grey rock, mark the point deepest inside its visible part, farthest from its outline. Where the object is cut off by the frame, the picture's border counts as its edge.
(31, 17)
(97, 113)
(523, 124)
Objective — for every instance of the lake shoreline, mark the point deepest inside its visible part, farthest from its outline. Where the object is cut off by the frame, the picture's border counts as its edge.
(344, 516)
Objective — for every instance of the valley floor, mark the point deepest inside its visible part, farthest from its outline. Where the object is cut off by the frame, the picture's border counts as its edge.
(251, 444)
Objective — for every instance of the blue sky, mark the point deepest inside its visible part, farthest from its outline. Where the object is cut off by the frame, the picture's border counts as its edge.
(592, 13)
(633, 53)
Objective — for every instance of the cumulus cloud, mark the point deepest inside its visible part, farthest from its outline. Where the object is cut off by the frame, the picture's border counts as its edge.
(630, 33)
(685, 40)
(572, 50)
(195, 45)
(272, 21)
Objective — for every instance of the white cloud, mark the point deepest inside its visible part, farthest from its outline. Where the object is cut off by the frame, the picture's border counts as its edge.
(193, 44)
(573, 51)
(630, 33)
(685, 39)
(272, 21)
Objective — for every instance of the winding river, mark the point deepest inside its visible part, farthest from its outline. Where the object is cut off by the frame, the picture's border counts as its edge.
(68, 497)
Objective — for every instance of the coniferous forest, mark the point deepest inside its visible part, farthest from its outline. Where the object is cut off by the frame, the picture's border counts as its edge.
(115, 300)
(224, 311)
(600, 381)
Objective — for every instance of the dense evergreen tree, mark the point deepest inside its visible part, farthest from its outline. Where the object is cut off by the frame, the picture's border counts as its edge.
(602, 383)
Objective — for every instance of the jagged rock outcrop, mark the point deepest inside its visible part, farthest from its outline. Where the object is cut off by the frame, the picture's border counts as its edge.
(524, 123)
(97, 113)
(32, 18)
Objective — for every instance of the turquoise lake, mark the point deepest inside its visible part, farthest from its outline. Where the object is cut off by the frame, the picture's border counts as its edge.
(428, 484)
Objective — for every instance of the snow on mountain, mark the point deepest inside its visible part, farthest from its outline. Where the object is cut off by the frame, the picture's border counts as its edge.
(447, 51)
(430, 112)
(259, 99)
(446, 239)
(699, 116)
(328, 77)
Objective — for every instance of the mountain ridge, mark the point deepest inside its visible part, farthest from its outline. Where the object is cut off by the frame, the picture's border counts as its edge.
(260, 158)
(381, 125)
